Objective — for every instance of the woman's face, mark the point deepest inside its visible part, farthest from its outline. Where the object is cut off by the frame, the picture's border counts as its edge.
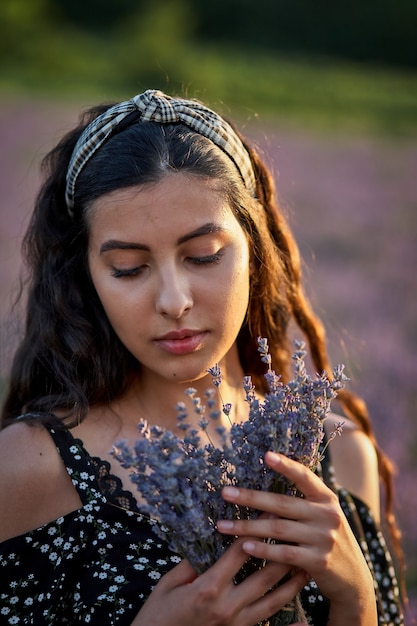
(170, 263)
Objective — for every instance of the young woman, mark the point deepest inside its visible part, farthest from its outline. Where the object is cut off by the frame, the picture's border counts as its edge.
(157, 249)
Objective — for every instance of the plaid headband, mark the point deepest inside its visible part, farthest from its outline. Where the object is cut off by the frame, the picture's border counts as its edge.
(155, 106)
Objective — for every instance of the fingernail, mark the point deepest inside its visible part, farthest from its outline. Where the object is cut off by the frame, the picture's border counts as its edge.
(230, 492)
(225, 524)
(274, 457)
(249, 546)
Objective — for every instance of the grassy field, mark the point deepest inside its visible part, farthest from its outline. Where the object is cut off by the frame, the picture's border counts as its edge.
(317, 93)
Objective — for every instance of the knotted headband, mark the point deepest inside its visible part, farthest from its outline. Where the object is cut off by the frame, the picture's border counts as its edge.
(155, 106)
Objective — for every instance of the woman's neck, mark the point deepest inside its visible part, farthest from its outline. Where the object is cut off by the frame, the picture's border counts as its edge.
(155, 401)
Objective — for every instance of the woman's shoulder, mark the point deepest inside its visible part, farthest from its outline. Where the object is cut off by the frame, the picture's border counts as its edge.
(355, 462)
(35, 487)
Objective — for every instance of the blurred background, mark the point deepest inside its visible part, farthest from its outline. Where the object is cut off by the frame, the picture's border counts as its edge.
(328, 91)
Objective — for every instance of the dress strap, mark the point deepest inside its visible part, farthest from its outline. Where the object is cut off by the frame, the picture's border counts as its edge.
(78, 465)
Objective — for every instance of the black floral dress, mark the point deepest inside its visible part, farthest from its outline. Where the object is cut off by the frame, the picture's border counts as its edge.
(97, 565)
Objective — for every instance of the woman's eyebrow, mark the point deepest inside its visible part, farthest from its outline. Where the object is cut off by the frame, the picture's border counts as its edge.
(206, 229)
(115, 244)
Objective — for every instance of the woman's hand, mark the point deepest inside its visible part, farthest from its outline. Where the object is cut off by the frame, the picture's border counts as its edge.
(181, 598)
(315, 536)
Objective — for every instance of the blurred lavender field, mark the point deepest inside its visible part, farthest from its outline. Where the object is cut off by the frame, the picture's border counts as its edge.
(353, 204)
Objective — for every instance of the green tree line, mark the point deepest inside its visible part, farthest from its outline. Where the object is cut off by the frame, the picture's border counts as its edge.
(380, 31)
(328, 65)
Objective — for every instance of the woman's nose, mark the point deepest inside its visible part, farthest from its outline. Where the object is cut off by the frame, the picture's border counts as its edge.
(174, 297)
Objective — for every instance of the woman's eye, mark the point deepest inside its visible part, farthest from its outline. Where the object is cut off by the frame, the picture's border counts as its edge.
(206, 260)
(127, 273)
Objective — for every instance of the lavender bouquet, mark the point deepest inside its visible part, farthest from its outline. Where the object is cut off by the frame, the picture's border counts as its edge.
(180, 479)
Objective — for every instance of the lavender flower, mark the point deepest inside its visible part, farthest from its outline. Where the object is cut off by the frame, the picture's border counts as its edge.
(180, 480)
(216, 375)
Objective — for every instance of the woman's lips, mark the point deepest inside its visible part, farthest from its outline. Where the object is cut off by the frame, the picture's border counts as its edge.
(181, 342)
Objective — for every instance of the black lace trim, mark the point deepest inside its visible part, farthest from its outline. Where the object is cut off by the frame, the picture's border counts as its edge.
(111, 486)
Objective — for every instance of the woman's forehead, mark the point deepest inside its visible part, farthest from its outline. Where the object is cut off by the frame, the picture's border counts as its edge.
(178, 202)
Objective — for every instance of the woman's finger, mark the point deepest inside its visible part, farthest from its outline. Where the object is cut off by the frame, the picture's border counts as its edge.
(229, 564)
(181, 574)
(272, 602)
(280, 505)
(283, 530)
(291, 554)
(308, 483)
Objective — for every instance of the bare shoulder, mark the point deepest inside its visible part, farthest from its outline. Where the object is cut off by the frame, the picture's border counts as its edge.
(355, 462)
(34, 485)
